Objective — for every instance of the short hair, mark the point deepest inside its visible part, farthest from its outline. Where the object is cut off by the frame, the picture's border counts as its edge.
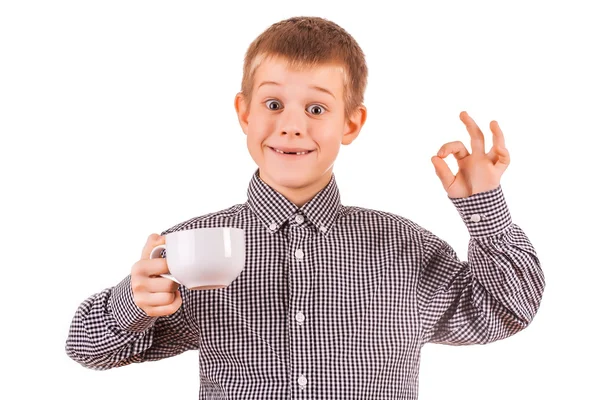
(306, 42)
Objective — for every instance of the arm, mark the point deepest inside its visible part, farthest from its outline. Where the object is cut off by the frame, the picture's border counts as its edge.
(109, 330)
(498, 291)
(492, 296)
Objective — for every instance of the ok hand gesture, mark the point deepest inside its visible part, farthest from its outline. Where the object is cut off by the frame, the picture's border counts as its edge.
(478, 171)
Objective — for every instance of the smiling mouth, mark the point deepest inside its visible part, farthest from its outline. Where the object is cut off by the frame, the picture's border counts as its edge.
(296, 153)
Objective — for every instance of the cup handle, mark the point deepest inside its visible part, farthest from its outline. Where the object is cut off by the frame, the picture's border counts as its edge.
(157, 252)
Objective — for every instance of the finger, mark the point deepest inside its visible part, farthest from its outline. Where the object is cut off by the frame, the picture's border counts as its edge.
(503, 158)
(498, 136)
(477, 138)
(499, 147)
(156, 299)
(443, 171)
(458, 149)
(166, 309)
(159, 284)
(152, 241)
(153, 267)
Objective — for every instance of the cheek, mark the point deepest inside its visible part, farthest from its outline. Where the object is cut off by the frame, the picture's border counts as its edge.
(331, 135)
(259, 125)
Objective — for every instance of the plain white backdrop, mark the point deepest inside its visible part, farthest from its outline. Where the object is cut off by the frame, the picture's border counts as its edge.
(117, 121)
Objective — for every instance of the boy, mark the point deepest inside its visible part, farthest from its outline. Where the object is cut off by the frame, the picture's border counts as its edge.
(334, 301)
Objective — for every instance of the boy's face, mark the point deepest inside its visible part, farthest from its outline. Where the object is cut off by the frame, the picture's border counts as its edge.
(299, 112)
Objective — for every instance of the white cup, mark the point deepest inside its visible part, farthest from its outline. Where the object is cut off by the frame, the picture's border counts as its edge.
(203, 258)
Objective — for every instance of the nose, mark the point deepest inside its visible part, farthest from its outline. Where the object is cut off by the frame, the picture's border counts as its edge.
(292, 122)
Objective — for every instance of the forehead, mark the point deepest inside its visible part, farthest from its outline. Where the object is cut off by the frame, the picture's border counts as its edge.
(278, 69)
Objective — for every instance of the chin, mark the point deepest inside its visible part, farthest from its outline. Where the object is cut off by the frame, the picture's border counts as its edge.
(289, 179)
(292, 181)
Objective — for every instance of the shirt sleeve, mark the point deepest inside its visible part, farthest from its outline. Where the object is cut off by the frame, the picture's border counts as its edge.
(493, 295)
(109, 330)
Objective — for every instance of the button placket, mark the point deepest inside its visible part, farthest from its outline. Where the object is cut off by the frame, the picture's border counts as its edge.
(299, 246)
(302, 381)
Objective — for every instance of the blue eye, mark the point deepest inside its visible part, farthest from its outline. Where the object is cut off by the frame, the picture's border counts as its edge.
(273, 105)
(320, 110)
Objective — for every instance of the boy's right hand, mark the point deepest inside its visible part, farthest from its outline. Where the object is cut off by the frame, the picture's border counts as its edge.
(155, 295)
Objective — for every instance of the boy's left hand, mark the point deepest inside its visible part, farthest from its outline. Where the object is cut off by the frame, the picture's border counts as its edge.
(477, 172)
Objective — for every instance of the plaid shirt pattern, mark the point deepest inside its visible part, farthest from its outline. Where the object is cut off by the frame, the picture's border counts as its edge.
(334, 302)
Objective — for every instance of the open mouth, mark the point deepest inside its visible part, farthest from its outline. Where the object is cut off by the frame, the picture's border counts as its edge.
(292, 153)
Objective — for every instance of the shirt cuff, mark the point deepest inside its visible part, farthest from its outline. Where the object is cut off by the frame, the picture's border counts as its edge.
(485, 214)
(128, 315)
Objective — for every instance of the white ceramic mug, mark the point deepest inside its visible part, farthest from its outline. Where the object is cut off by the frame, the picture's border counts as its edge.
(204, 258)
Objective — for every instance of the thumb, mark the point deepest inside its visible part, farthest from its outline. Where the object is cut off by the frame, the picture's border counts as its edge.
(443, 171)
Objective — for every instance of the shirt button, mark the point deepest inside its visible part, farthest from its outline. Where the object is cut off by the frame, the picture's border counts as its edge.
(323, 228)
(300, 318)
(299, 219)
(299, 254)
(475, 217)
(302, 381)
(273, 226)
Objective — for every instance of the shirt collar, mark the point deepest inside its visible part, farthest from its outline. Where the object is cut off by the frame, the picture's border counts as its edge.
(274, 210)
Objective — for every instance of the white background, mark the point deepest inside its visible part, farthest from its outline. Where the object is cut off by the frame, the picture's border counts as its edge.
(117, 121)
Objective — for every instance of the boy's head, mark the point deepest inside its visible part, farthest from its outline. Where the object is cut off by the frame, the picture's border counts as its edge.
(302, 92)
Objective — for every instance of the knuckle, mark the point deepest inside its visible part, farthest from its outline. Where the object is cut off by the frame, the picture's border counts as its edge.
(135, 268)
(138, 270)
(136, 286)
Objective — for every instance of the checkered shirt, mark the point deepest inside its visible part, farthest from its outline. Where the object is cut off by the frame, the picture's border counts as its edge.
(334, 302)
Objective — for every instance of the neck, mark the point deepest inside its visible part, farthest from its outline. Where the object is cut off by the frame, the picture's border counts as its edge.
(299, 195)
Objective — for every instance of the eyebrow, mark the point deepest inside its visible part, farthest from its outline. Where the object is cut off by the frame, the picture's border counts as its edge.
(319, 88)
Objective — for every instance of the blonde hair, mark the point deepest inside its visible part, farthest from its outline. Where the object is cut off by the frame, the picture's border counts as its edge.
(306, 42)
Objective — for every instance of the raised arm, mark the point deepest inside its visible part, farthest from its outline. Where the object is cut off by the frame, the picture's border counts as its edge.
(493, 295)
(498, 291)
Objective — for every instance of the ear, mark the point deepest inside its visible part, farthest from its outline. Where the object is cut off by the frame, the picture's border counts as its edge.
(241, 108)
(354, 124)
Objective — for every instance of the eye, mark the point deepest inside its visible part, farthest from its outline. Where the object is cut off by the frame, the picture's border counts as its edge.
(273, 105)
(316, 109)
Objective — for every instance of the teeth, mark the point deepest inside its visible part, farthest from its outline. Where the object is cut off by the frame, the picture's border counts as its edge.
(297, 153)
